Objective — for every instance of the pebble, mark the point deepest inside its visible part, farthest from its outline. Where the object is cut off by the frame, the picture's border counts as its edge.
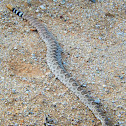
(42, 7)
(33, 54)
(121, 77)
(54, 0)
(113, 101)
(119, 115)
(29, 1)
(27, 92)
(104, 85)
(16, 124)
(13, 91)
(24, 78)
(93, 1)
(97, 101)
(63, 2)
(34, 57)
(15, 48)
(37, 10)
(120, 106)
(121, 122)
(30, 112)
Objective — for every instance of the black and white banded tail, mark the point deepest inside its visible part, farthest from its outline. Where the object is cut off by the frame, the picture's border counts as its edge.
(19, 13)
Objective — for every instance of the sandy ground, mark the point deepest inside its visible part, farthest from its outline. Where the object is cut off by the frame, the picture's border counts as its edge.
(93, 38)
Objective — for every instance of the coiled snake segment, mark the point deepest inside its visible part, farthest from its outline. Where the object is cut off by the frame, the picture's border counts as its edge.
(54, 62)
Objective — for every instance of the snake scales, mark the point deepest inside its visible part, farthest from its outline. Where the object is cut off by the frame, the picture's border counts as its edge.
(54, 62)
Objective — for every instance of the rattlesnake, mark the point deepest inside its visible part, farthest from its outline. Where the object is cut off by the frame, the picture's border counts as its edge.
(54, 62)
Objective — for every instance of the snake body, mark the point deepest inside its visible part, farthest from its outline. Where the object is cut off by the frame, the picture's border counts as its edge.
(54, 62)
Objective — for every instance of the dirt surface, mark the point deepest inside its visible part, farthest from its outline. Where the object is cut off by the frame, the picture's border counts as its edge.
(93, 38)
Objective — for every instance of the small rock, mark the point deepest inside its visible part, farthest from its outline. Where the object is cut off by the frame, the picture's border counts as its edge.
(121, 77)
(104, 86)
(16, 124)
(65, 32)
(42, 7)
(37, 11)
(24, 78)
(27, 92)
(13, 91)
(97, 101)
(15, 48)
(29, 2)
(63, 2)
(30, 112)
(121, 122)
(93, 1)
(119, 115)
(113, 101)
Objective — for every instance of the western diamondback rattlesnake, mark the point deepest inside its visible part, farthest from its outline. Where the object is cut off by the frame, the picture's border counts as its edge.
(54, 62)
